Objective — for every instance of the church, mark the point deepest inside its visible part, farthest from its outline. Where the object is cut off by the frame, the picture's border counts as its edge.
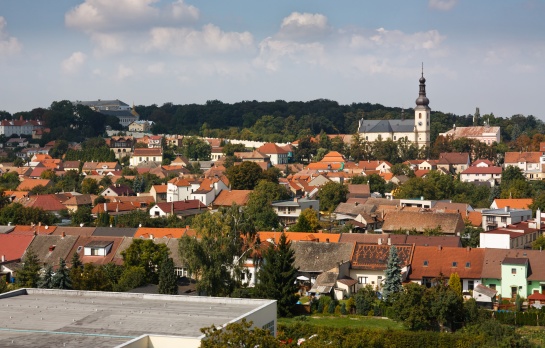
(416, 131)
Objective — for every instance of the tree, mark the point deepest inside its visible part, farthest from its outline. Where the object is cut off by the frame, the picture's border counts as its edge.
(392, 280)
(90, 186)
(412, 307)
(82, 216)
(132, 277)
(46, 279)
(147, 255)
(238, 335)
(61, 279)
(28, 277)
(259, 206)
(210, 257)
(455, 283)
(276, 278)
(331, 194)
(365, 299)
(303, 224)
(244, 176)
(539, 243)
(167, 277)
(447, 306)
(471, 235)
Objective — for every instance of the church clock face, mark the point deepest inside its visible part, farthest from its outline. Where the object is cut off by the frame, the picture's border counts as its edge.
(419, 123)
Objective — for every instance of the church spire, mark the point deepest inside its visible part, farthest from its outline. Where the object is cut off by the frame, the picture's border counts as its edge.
(422, 100)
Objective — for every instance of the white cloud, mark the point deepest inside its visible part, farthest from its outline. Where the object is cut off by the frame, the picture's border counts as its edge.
(189, 42)
(272, 52)
(107, 44)
(407, 42)
(123, 72)
(73, 63)
(156, 69)
(442, 5)
(8, 44)
(105, 15)
(304, 26)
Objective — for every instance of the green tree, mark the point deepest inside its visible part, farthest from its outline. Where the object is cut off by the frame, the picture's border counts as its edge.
(238, 335)
(167, 277)
(539, 243)
(132, 277)
(455, 283)
(210, 257)
(276, 279)
(90, 186)
(259, 206)
(61, 279)
(28, 276)
(471, 235)
(447, 306)
(244, 176)
(364, 299)
(46, 279)
(392, 275)
(82, 216)
(147, 255)
(331, 194)
(412, 307)
(303, 223)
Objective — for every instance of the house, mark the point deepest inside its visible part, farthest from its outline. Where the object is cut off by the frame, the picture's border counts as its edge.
(116, 208)
(50, 203)
(12, 250)
(155, 142)
(76, 201)
(516, 236)
(369, 261)
(30, 184)
(432, 262)
(288, 211)
(144, 155)
(71, 165)
(530, 163)
(277, 155)
(50, 248)
(17, 142)
(484, 296)
(178, 189)
(254, 156)
(116, 108)
(209, 189)
(121, 145)
(514, 272)
(514, 203)
(485, 134)
(313, 259)
(495, 218)
(19, 127)
(450, 223)
(117, 190)
(227, 198)
(95, 250)
(159, 192)
(181, 209)
(491, 175)
(140, 126)
(358, 191)
(453, 162)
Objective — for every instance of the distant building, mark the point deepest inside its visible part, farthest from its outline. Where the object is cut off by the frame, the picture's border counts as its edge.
(116, 108)
(415, 131)
(485, 134)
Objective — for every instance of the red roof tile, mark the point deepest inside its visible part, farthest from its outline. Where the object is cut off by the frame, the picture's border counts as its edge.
(13, 246)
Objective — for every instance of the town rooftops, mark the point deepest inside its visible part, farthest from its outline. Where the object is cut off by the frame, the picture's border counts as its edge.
(521, 157)
(375, 256)
(320, 257)
(12, 247)
(432, 261)
(493, 259)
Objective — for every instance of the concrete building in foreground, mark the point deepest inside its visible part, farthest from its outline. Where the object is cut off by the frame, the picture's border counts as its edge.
(71, 318)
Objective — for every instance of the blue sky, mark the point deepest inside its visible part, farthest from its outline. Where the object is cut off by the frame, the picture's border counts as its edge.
(487, 54)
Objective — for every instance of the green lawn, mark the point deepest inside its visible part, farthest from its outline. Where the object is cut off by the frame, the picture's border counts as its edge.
(347, 321)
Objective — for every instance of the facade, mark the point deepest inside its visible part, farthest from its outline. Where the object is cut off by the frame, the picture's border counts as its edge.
(139, 126)
(529, 162)
(495, 218)
(19, 127)
(277, 154)
(485, 134)
(116, 108)
(288, 211)
(490, 175)
(415, 131)
(142, 155)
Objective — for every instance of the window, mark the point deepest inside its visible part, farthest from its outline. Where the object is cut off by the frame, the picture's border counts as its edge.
(269, 326)
(425, 263)
(470, 284)
(513, 271)
(468, 264)
(362, 280)
(454, 264)
(492, 286)
(419, 115)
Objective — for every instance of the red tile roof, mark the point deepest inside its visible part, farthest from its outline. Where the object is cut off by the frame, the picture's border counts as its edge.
(13, 246)
(516, 203)
(29, 184)
(147, 232)
(375, 257)
(301, 236)
(431, 262)
(483, 170)
(228, 197)
(271, 148)
(516, 157)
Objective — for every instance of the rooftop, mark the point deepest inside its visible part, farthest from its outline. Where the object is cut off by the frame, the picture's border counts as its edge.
(57, 318)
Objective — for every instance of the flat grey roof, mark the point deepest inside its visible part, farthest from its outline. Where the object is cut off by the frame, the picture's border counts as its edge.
(64, 318)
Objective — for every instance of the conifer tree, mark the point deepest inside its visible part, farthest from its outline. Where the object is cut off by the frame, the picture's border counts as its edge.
(28, 276)
(276, 278)
(167, 277)
(455, 283)
(392, 281)
(46, 280)
(61, 279)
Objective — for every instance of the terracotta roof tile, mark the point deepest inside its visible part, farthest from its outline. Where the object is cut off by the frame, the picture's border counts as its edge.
(13, 246)
(228, 197)
(516, 157)
(431, 262)
(375, 257)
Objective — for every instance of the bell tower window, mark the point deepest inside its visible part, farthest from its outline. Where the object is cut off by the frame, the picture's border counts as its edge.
(420, 115)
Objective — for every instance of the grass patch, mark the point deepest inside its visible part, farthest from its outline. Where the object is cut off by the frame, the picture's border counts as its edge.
(352, 321)
(534, 334)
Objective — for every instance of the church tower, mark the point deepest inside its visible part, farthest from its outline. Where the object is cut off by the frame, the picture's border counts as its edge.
(422, 113)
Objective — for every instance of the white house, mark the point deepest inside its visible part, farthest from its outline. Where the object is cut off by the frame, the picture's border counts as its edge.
(277, 154)
(143, 155)
(289, 211)
(178, 189)
(482, 174)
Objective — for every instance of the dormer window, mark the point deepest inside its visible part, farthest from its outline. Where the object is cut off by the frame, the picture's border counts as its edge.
(468, 264)
(425, 263)
(98, 248)
(454, 264)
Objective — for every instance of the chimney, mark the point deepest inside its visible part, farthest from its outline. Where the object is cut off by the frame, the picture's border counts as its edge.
(3, 259)
(151, 236)
(454, 126)
(389, 241)
(439, 247)
(506, 208)
(63, 235)
(380, 241)
(327, 240)
(468, 248)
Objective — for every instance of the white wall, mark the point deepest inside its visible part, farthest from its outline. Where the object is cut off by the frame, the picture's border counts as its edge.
(492, 240)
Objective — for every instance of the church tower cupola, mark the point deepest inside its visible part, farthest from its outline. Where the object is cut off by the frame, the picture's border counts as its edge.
(422, 100)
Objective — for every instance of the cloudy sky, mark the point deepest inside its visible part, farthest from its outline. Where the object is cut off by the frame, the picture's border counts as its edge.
(488, 54)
